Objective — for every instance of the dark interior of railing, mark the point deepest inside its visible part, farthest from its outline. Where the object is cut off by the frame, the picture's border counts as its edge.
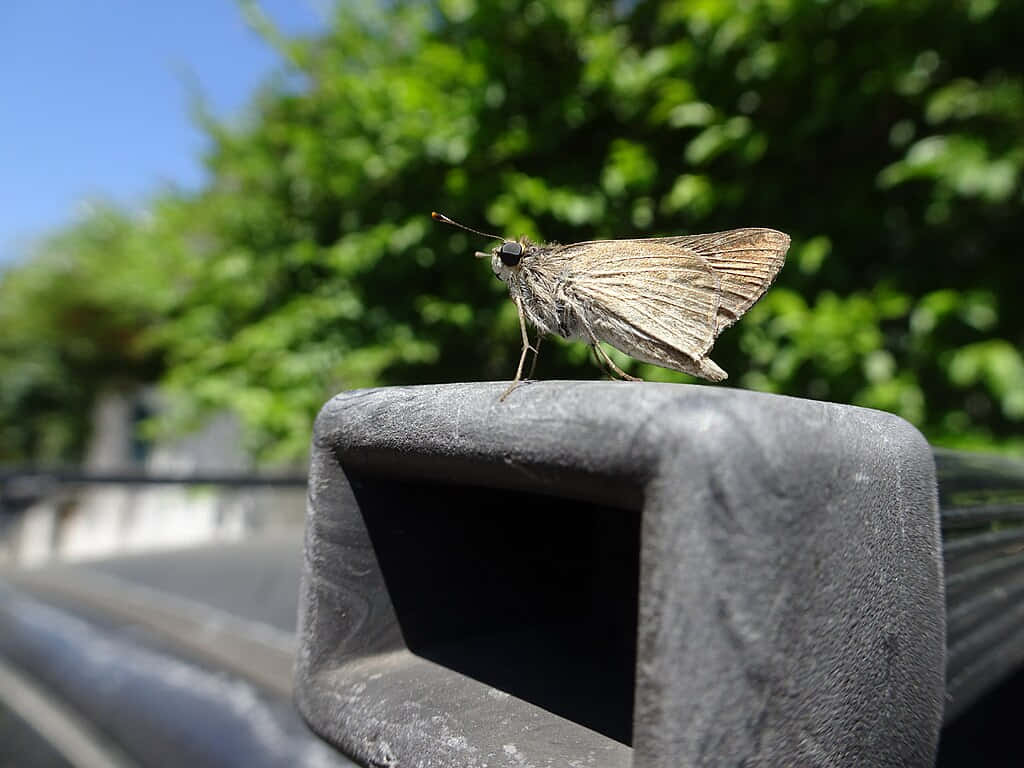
(532, 595)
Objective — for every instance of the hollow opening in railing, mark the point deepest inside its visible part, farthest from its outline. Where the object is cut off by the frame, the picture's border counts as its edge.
(533, 595)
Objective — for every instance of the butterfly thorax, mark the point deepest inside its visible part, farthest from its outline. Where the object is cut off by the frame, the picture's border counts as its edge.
(542, 281)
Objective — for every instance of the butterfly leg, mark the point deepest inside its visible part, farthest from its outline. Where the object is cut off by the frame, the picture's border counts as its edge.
(526, 348)
(604, 358)
(536, 354)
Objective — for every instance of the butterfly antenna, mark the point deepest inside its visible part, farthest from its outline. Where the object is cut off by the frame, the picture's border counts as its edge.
(445, 220)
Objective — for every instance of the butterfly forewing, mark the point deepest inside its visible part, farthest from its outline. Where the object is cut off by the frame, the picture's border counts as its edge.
(747, 261)
(660, 291)
(680, 291)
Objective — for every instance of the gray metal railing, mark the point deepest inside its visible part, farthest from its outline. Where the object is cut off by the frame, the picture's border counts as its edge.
(981, 499)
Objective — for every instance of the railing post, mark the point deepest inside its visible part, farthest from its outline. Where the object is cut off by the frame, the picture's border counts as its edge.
(620, 574)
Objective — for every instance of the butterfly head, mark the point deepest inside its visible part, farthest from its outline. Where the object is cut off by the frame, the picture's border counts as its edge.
(510, 253)
(507, 258)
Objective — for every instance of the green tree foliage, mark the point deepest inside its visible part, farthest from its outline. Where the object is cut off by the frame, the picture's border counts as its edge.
(884, 136)
(72, 321)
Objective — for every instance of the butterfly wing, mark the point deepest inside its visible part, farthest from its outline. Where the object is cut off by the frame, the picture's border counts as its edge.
(746, 262)
(657, 292)
(660, 298)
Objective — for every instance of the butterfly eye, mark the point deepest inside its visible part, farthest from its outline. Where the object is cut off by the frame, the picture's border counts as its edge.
(510, 253)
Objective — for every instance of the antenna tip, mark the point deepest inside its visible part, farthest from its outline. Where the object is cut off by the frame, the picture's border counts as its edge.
(442, 218)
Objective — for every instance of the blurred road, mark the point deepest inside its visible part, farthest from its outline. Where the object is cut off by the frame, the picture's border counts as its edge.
(182, 658)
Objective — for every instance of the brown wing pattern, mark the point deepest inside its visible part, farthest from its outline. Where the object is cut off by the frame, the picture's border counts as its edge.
(747, 261)
(680, 291)
(660, 291)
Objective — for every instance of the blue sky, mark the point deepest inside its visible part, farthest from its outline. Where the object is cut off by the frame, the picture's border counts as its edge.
(93, 102)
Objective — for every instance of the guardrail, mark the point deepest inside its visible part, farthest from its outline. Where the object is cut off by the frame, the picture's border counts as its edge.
(20, 486)
(981, 499)
(620, 575)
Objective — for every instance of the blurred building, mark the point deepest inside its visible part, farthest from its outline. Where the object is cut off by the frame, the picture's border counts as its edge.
(80, 521)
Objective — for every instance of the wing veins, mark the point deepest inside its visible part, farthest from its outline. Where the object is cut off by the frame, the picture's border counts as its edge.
(685, 306)
(668, 336)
